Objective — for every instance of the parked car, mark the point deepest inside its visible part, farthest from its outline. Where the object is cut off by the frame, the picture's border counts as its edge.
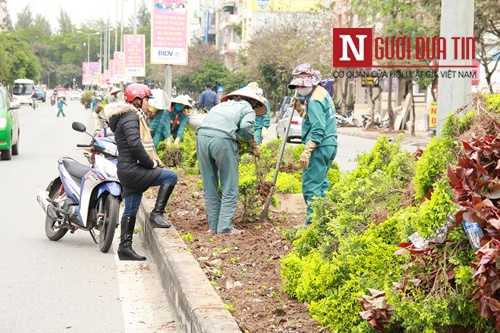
(41, 93)
(75, 94)
(285, 104)
(295, 132)
(9, 125)
(61, 92)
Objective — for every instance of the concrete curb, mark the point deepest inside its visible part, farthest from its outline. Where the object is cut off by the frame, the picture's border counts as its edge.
(195, 305)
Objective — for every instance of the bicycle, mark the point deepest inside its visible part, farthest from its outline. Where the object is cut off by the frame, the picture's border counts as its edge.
(34, 103)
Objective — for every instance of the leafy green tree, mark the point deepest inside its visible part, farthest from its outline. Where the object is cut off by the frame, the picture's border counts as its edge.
(412, 18)
(143, 15)
(17, 60)
(64, 21)
(24, 18)
(487, 35)
(42, 23)
(302, 38)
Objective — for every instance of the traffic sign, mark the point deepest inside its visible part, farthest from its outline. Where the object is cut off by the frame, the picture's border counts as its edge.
(220, 89)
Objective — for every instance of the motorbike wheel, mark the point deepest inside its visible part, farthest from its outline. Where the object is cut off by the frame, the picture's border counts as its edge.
(107, 227)
(53, 228)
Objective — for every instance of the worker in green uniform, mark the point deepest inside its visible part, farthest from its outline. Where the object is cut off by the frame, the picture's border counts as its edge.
(176, 120)
(217, 151)
(319, 132)
(262, 122)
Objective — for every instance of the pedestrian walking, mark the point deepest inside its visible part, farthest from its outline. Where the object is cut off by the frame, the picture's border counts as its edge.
(208, 98)
(60, 104)
(262, 122)
(136, 170)
(217, 152)
(319, 132)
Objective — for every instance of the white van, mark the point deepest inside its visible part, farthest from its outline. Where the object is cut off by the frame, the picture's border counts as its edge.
(23, 90)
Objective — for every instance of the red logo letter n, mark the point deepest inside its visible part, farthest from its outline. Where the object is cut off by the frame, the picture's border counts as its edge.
(352, 47)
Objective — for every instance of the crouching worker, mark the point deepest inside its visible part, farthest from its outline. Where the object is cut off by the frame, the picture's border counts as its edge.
(136, 170)
(177, 119)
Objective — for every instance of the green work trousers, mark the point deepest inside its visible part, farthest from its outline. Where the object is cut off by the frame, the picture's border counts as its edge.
(218, 159)
(315, 178)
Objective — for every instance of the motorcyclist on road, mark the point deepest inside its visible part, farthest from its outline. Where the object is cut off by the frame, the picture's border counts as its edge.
(319, 132)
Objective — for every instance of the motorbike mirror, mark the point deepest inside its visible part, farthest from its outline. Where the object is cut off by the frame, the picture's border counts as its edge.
(79, 127)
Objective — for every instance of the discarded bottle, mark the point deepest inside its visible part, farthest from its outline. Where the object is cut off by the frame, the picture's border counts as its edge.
(474, 233)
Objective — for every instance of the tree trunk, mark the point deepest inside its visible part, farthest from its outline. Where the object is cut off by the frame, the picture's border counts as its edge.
(390, 112)
(412, 129)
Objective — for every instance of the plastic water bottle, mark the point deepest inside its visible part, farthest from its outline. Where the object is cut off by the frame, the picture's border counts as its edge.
(474, 233)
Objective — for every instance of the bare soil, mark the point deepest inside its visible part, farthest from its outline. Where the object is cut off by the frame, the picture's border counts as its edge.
(244, 269)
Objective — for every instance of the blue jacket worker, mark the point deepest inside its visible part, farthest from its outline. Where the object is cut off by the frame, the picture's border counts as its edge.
(217, 151)
(176, 120)
(156, 113)
(319, 133)
(208, 98)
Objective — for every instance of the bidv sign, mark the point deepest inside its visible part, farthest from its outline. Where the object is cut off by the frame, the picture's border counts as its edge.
(356, 47)
(168, 53)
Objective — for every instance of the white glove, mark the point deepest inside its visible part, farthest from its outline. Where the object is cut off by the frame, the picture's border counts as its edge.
(170, 141)
(177, 141)
(264, 132)
(306, 154)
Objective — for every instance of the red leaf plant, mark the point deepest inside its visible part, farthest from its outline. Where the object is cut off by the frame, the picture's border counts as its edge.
(476, 185)
(376, 310)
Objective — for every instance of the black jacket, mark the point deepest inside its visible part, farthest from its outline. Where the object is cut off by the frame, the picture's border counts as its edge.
(135, 167)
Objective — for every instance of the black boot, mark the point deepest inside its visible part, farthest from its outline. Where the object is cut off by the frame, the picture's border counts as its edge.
(125, 250)
(156, 216)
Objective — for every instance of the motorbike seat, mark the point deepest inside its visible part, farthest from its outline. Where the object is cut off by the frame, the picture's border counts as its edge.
(76, 169)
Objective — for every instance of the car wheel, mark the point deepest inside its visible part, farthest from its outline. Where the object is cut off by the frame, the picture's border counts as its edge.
(6, 154)
(15, 148)
(43, 100)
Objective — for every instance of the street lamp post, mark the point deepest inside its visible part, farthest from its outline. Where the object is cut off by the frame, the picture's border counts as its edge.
(88, 46)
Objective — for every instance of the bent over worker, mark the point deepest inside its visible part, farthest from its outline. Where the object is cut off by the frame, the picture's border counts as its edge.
(319, 133)
(217, 151)
(262, 122)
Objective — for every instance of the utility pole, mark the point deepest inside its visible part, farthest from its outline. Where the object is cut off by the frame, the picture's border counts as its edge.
(457, 20)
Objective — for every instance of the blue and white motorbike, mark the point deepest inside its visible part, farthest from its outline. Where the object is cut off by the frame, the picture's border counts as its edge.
(83, 197)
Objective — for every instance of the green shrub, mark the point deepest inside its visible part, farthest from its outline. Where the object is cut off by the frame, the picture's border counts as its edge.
(433, 163)
(436, 212)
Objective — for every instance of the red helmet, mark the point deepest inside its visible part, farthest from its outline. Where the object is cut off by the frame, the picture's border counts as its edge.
(135, 90)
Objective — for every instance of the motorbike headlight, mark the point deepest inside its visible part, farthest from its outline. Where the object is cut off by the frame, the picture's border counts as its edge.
(3, 122)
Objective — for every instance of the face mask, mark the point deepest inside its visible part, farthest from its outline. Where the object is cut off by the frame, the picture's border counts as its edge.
(304, 91)
(178, 107)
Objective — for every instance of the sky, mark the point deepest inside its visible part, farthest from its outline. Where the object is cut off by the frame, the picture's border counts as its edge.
(78, 10)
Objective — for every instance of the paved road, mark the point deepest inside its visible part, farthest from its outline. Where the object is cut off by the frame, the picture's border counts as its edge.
(69, 285)
(353, 141)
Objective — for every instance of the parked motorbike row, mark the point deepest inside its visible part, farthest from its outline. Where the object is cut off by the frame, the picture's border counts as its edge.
(85, 197)
(347, 119)
(378, 121)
